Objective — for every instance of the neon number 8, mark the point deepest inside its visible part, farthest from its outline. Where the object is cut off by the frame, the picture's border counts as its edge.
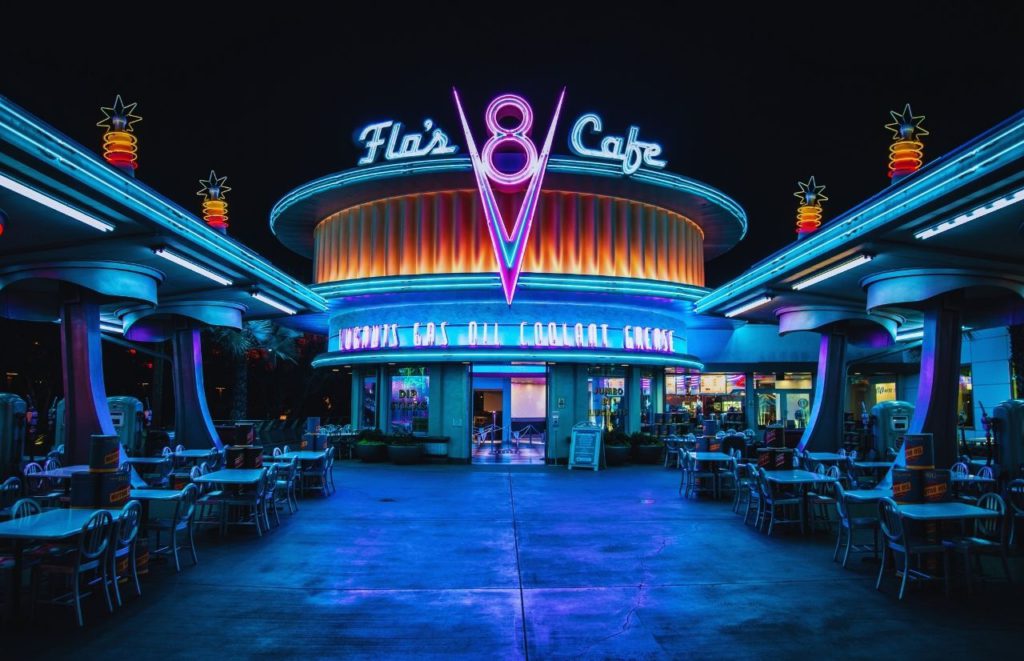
(502, 108)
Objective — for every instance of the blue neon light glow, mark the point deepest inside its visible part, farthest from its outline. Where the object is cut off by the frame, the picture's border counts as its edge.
(396, 284)
(956, 168)
(21, 129)
(334, 359)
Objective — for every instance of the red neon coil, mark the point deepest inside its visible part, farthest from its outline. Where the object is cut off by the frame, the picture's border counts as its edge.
(215, 213)
(905, 157)
(808, 218)
(120, 149)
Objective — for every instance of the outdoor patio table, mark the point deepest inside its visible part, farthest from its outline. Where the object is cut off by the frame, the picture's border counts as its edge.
(941, 511)
(232, 476)
(146, 461)
(825, 457)
(63, 473)
(49, 526)
(301, 455)
(195, 456)
(796, 477)
(873, 465)
(710, 456)
(144, 496)
(868, 495)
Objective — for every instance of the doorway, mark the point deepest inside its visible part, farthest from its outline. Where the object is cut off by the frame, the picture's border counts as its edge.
(509, 414)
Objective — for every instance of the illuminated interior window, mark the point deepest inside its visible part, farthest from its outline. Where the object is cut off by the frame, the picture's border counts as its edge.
(410, 400)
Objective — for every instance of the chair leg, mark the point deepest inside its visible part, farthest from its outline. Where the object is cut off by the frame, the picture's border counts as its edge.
(1006, 567)
(105, 576)
(76, 593)
(849, 543)
(192, 545)
(135, 569)
(839, 538)
(771, 525)
(174, 548)
(256, 519)
(906, 573)
(113, 574)
(881, 567)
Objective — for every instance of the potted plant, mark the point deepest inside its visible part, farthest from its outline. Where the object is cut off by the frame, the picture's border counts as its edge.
(404, 449)
(647, 449)
(616, 448)
(371, 447)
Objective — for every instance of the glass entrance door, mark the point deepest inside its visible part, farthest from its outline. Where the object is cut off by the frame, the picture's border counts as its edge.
(509, 414)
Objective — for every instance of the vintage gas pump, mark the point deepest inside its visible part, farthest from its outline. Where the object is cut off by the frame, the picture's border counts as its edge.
(127, 416)
(1008, 427)
(12, 433)
(891, 422)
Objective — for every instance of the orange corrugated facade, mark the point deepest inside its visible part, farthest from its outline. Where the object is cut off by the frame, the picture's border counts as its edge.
(444, 232)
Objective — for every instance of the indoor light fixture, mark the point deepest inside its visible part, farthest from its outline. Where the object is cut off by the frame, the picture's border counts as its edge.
(973, 214)
(746, 307)
(273, 302)
(51, 203)
(191, 266)
(832, 272)
(910, 335)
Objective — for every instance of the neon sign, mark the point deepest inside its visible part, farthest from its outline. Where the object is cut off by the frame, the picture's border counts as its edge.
(489, 335)
(509, 248)
(630, 151)
(400, 146)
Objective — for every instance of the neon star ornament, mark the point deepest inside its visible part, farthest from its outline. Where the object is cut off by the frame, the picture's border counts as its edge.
(906, 153)
(509, 248)
(120, 146)
(215, 207)
(808, 211)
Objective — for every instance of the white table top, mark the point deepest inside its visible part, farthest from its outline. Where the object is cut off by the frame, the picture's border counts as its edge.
(873, 464)
(147, 460)
(154, 494)
(301, 455)
(51, 524)
(972, 478)
(232, 476)
(868, 495)
(710, 456)
(825, 456)
(796, 477)
(195, 454)
(62, 473)
(938, 511)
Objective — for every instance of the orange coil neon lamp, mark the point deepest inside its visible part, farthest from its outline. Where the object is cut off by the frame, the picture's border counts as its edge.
(808, 211)
(120, 146)
(215, 207)
(906, 153)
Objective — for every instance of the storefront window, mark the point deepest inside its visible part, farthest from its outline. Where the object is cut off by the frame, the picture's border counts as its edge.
(646, 402)
(965, 398)
(783, 397)
(410, 400)
(368, 419)
(608, 398)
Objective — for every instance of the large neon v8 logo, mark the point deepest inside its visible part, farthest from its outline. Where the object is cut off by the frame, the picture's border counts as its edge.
(509, 248)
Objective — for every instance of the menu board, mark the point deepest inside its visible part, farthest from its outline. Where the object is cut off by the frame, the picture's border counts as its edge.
(711, 384)
(585, 449)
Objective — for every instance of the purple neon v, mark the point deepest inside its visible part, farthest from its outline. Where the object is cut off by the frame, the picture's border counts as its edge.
(509, 249)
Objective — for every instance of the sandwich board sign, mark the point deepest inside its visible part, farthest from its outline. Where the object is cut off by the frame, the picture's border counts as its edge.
(585, 447)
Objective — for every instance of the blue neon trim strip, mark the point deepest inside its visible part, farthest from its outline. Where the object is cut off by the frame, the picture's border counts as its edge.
(334, 358)
(558, 164)
(439, 282)
(76, 162)
(934, 180)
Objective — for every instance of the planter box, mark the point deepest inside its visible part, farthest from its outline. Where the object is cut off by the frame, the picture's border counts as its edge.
(617, 455)
(372, 454)
(649, 454)
(435, 447)
(405, 455)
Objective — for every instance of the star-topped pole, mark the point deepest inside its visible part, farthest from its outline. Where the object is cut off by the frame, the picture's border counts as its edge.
(906, 153)
(120, 146)
(808, 210)
(215, 207)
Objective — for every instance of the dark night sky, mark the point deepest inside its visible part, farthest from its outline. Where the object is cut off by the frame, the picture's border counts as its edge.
(745, 102)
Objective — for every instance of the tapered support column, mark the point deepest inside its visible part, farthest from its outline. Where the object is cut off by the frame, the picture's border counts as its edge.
(85, 394)
(824, 431)
(750, 405)
(193, 426)
(935, 411)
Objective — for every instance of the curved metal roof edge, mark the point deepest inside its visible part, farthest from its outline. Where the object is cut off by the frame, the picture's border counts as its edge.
(925, 185)
(88, 168)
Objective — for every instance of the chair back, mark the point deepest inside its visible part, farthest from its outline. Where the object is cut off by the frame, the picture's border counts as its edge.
(762, 483)
(286, 450)
(92, 542)
(204, 468)
(194, 473)
(819, 469)
(128, 523)
(270, 479)
(1015, 494)
(25, 507)
(187, 503)
(890, 521)
(166, 452)
(992, 528)
(959, 469)
(9, 491)
(277, 452)
(853, 455)
(179, 448)
(985, 472)
(35, 484)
